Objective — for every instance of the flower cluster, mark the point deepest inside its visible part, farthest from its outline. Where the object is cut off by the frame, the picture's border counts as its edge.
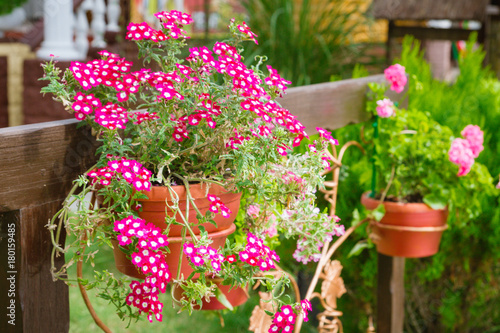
(132, 171)
(327, 135)
(276, 80)
(204, 255)
(463, 151)
(216, 205)
(246, 30)
(385, 108)
(150, 260)
(141, 117)
(284, 320)
(258, 254)
(173, 22)
(144, 31)
(111, 71)
(396, 75)
(475, 136)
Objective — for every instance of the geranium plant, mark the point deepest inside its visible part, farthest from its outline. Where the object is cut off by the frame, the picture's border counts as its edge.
(416, 159)
(206, 119)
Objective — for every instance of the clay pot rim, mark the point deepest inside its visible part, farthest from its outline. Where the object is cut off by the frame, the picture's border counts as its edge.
(198, 190)
(217, 234)
(406, 207)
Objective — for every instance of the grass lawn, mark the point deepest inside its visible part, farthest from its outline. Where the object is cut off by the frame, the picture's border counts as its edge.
(199, 322)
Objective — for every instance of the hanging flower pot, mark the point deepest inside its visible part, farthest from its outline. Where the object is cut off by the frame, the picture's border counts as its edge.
(235, 296)
(154, 209)
(125, 266)
(410, 230)
(157, 207)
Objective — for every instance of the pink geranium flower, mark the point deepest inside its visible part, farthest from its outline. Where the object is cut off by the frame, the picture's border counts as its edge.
(475, 136)
(396, 75)
(461, 154)
(385, 108)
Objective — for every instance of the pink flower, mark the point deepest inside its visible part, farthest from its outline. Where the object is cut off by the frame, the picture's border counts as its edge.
(475, 136)
(272, 231)
(306, 307)
(216, 205)
(461, 154)
(246, 30)
(385, 108)
(253, 211)
(498, 185)
(396, 75)
(327, 135)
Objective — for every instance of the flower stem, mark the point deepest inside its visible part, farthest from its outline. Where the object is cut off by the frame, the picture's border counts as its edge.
(374, 170)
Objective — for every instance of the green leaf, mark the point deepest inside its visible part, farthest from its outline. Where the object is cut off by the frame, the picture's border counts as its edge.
(435, 201)
(269, 313)
(222, 298)
(378, 213)
(358, 248)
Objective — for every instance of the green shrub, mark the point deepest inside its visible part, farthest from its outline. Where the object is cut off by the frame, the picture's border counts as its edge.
(307, 41)
(7, 6)
(457, 289)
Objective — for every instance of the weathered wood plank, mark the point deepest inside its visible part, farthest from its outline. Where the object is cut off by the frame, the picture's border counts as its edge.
(331, 105)
(423, 33)
(390, 294)
(430, 9)
(39, 162)
(45, 303)
(10, 268)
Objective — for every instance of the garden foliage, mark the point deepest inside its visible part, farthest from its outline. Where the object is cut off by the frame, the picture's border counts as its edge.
(307, 41)
(457, 289)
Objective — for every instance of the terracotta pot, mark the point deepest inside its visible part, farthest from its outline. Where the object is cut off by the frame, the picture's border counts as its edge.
(125, 266)
(410, 230)
(154, 208)
(236, 296)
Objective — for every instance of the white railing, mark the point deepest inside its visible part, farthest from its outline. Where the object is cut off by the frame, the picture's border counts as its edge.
(66, 34)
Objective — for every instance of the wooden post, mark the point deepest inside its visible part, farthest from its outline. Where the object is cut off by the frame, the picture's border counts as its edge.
(390, 294)
(38, 164)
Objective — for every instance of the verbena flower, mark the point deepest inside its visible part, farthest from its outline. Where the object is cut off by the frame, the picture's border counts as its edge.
(284, 320)
(150, 261)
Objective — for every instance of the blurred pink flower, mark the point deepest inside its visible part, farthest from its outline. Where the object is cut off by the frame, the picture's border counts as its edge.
(396, 75)
(253, 211)
(461, 154)
(475, 136)
(385, 108)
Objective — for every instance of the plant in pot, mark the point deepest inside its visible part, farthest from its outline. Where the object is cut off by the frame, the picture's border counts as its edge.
(415, 175)
(208, 143)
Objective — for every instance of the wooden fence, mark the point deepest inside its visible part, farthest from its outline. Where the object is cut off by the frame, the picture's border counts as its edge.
(38, 164)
